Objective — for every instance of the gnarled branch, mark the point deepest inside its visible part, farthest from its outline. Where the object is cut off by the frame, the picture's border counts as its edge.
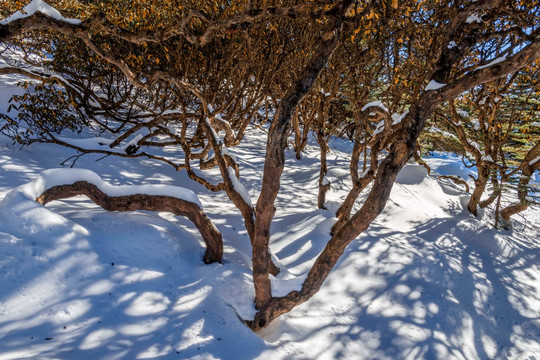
(210, 234)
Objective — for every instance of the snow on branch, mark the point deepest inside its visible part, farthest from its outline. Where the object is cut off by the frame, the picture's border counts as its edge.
(239, 187)
(496, 61)
(38, 6)
(376, 103)
(55, 177)
(472, 18)
(433, 85)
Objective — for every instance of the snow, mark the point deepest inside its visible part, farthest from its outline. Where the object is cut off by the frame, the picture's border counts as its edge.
(376, 103)
(433, 85)
(134, 141)
(226, 151)
(534, 161)
(38, 6)
(55, 177)
(397, 118)
(380, 128)
(476, 124)
(496, 61)
(172, 112)
(325, 181)
(325, 93)
(93, 143)
(473, 18)
(426, 280)
(452, 44)
(241, 189)
(462, 113)
(475, 145)
(434, 129)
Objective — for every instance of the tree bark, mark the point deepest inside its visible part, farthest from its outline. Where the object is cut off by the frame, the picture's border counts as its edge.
(324, 183)
(522, 203)
(210, 234)
(245, 208)
(494, 195)
(297, 136)
(344, 211)
(479, 187)
(358, 223)
(275, 157)
(418, 158)
(398, 154)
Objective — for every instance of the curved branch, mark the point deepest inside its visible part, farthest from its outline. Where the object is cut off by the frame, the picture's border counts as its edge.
(457, 180)
(211, 235)
(484, 75)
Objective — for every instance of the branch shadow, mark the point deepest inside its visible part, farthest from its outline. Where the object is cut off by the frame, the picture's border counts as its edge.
(110, 285)
(425, 293)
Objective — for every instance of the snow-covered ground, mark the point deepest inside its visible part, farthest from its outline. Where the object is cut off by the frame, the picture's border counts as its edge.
(426, 281)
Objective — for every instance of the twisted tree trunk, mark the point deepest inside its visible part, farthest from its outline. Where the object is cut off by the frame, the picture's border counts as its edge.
(531, 163)
(479, 187)
(275, 158)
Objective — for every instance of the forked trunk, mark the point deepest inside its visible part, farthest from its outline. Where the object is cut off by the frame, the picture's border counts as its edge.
(275, 157)
(326, 261)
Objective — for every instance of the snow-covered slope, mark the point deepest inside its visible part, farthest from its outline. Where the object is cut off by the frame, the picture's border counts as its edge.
(427, 280)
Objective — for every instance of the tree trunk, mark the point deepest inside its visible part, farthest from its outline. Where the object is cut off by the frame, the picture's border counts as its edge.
(522, 191)
(522, 205)
(245, 208)
(209, 233)
(344, 211)
(418, 158)
(324, 183)
(358, 223)
(275, 157)
(494, 195)
(359, 183)
(531, 163)
(479, 187)
(297, 136)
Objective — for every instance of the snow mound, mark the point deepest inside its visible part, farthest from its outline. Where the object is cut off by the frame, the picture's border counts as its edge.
(412, 174)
